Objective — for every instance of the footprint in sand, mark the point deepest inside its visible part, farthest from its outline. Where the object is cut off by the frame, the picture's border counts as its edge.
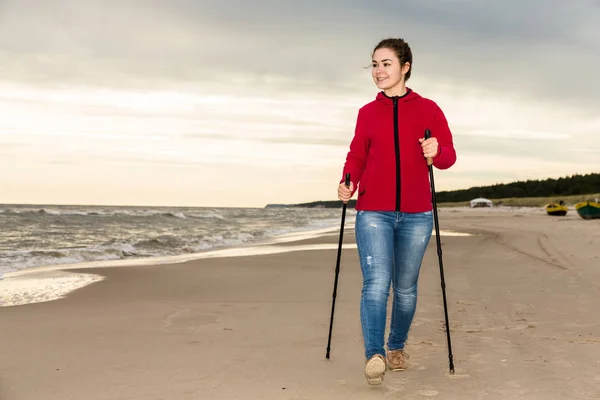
(428, 393)
(186, 321)
(425, 343)
(464, 303)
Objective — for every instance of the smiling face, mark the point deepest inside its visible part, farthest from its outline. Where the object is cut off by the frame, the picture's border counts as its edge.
(387, 72)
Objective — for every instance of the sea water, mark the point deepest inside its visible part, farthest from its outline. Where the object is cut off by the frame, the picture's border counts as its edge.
(42, 235)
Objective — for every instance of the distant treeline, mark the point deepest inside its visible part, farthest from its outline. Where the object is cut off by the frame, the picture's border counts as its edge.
(567, 186)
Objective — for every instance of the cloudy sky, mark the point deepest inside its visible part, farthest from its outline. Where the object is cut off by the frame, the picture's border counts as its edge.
(244, 103)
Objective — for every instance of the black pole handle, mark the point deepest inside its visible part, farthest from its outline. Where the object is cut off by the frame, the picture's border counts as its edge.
(427, 136)
(347, 183)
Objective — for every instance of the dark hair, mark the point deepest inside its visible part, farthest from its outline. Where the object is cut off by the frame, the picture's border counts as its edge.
(402, 50)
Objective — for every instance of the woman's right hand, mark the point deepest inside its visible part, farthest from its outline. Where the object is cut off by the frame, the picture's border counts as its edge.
(345, 192)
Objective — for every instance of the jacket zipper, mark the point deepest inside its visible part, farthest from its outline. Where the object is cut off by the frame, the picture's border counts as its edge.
(397, 146)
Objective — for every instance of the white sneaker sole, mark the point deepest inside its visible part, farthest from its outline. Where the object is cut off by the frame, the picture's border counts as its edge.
(375, 371)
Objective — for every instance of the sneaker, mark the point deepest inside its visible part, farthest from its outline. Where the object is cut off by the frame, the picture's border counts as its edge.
(397, 360)
(375, 369)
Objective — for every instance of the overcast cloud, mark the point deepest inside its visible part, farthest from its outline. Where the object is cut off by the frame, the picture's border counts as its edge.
(186, 80)
(544, 47)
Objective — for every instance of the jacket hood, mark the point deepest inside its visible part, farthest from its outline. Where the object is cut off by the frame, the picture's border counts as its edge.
(387, 100)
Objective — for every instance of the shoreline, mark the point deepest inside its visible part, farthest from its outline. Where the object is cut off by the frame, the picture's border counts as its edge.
(56, 281)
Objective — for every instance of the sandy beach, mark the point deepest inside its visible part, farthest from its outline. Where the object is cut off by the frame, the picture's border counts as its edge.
(522, 289)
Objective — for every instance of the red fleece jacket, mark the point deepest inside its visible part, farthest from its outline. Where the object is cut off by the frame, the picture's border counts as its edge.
(386, 162)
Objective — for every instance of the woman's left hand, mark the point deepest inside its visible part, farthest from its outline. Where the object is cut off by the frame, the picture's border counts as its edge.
(429, 146)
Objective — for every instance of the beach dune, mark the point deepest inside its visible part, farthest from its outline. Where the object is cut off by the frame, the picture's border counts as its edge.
(522, 292)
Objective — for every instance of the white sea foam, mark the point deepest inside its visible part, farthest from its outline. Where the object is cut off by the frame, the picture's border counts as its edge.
(42, 286)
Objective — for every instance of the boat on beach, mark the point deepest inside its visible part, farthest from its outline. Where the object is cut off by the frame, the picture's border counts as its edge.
(557, 209)
(588, 209)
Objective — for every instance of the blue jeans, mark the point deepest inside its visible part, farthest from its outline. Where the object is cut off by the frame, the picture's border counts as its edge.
(391, 246)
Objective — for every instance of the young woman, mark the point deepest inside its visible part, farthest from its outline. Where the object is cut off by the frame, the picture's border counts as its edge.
(387, 163)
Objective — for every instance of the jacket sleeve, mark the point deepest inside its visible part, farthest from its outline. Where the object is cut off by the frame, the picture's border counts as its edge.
(446, 155)
(356, 159)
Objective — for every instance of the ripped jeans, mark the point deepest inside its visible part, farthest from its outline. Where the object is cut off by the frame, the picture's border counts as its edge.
(391, 246)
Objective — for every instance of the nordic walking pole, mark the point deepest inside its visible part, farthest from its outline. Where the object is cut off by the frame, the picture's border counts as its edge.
(337, 270)
(439, 252)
